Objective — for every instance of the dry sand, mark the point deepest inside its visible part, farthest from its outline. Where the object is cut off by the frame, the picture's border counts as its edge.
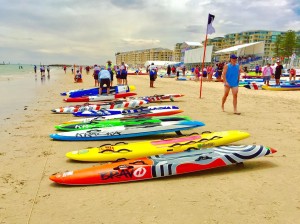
(265, 190)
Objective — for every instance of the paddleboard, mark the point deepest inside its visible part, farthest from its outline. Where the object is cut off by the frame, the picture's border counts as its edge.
(123, 150)
(111, 123)
(136, 111)
(282, 87)
(99, 106)
(95, 91)
(158, 98)
(169, 124)
(162, 165)
(100, 97)
(160, 111)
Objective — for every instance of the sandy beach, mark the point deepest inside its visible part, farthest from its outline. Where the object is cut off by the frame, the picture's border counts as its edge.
(264, 190)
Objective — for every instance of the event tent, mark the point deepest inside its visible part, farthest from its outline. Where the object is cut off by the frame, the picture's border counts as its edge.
(245, 49)
(160, 63)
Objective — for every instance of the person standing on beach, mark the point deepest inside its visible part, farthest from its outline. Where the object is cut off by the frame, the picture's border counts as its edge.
(267, 72)
(104, 79)
(65, 68)
(48, 70)
(152, 74)
(87, 69)
(118, 75)
(169, 70)
(197, 73)
(231, 76)
(34, 68)
(96, 74)
(210, 71)
(278, 73)
(123, 71)
(110, 68)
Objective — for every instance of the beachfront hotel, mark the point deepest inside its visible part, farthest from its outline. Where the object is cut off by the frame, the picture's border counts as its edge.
(232, 39)
(139, 57)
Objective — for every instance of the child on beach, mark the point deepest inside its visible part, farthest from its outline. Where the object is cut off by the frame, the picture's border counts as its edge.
(78, 77)
(292, 74)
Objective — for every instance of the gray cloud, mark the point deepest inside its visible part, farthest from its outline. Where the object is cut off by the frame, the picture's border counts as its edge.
(76, 31)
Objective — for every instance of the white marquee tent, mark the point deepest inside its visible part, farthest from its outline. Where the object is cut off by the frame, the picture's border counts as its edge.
(245, 49)
(160, 63)
(196, 55)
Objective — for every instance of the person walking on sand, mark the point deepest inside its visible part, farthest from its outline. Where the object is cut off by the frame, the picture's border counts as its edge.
(231, 77)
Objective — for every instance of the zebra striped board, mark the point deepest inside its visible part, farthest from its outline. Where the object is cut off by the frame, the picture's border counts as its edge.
(162, 165)
(158, 98)
(106, 105)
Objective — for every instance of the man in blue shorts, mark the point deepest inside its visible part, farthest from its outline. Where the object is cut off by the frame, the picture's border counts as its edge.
(104, 79)
(231, 77)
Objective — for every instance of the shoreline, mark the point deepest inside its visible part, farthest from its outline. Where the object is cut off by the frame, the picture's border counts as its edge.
(264, 190)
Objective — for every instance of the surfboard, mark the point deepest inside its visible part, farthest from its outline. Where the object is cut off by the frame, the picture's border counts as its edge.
(160, 111)
(169, 124)
(95, 91)
(162, 165)
(111, 123)
(99, 106)
(99, 97)
(163, 109)
(158, 98)
(282, 87)
(123, 150)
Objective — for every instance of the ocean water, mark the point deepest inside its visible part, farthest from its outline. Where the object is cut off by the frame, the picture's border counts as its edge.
(18, 87)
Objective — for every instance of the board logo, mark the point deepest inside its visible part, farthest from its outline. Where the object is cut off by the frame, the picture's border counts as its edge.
(139, 172)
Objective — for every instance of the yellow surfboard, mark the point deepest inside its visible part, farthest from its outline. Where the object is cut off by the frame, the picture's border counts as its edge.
(135, 150)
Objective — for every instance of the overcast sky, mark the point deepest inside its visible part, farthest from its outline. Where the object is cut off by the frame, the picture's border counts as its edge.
(92, 31)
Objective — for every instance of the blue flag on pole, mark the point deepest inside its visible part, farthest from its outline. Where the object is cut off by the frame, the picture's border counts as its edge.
(210, 28)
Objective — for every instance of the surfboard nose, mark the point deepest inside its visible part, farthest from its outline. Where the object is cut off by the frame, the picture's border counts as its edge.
(273, 150)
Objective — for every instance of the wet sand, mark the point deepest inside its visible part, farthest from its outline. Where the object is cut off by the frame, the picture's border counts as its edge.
(265, 190)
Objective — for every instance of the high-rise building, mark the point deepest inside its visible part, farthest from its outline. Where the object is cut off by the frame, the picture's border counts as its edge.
(139, 57)
(232, 39)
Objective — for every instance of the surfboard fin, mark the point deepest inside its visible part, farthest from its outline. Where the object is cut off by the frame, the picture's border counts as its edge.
(178, 132)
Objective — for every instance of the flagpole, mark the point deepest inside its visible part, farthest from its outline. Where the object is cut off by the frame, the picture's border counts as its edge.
(204, 54)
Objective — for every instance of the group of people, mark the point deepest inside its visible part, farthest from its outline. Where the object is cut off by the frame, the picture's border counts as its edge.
(104, 75)
(42, 70)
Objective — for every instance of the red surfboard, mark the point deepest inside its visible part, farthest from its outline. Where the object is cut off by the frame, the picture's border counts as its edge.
(100, 97)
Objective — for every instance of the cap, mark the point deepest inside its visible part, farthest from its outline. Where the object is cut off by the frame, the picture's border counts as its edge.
(278, 61)
(233, 56)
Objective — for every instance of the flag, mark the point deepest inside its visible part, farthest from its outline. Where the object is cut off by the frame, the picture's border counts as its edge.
(210, 29)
